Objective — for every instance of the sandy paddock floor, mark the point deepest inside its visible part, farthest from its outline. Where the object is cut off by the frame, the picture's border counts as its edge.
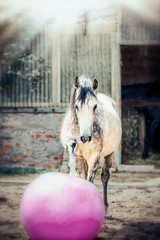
(134, 200)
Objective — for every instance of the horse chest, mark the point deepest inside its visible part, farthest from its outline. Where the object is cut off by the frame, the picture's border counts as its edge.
(88, 149)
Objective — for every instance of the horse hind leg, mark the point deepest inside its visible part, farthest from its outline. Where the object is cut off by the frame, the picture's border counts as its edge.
(70, 146)
(105, 177)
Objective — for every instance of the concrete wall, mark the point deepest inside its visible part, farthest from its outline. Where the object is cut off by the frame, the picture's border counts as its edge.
(30, 140)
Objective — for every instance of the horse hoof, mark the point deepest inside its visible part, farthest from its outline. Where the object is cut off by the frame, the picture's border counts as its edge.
(107, 214)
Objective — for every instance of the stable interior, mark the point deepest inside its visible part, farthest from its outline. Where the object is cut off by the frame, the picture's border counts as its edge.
(140, 79)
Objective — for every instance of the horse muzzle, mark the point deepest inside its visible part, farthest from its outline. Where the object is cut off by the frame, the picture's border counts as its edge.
(86, 139)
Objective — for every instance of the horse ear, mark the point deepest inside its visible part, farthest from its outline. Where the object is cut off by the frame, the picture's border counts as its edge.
(95, 84)
(76, 82)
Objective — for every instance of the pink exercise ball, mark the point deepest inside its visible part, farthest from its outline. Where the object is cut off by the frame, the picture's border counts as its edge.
(57, 206)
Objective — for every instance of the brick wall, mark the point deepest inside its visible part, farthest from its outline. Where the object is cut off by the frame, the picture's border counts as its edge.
(30, 140)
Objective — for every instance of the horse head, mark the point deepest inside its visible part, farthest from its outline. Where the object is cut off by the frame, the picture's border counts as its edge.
(85, 105)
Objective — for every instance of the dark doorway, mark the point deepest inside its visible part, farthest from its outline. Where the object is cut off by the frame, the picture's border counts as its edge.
(140, 77)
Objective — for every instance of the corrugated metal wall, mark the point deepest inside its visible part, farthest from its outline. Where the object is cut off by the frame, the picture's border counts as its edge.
(138, 29)
(89, 54)
(15, 91)
(70, 54)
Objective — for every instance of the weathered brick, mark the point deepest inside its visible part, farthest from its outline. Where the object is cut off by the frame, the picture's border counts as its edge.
(38, 136)
(3, 151)
(31, 165)
(17, 158)
(58, 157)
(48, 135)
(39, 162)
(65, 163)
(18, 144)
(8, 127)
(24, 133)
(43, 140)
(6, 148)
(46, 166)
(7, 144)
(58, 161)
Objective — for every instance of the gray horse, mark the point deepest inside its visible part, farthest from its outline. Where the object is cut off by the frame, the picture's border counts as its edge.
(91, 130)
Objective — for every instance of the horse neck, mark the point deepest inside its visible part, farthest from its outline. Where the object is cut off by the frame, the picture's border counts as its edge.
(99, 116)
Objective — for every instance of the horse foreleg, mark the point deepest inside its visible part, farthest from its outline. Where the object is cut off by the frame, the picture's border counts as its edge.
(92, 169)
(81, 167)
(70, 146)
(105, 177)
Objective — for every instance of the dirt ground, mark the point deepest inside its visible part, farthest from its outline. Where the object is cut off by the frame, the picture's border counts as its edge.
(134, 200)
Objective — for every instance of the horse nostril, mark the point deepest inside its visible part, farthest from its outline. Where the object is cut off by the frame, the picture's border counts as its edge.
(83, 139)
(89, 138)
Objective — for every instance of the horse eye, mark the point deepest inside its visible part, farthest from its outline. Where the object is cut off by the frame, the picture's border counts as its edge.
(76, 107)
(95, 106)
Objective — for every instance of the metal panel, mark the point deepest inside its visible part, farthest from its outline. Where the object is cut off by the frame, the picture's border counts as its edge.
(85, 54)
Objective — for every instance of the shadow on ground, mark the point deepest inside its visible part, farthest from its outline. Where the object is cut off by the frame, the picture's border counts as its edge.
(131, 231)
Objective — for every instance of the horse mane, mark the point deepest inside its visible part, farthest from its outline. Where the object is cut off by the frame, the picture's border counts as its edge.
(73, 110)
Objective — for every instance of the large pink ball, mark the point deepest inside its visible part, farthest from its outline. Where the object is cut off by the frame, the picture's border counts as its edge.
(56, 206)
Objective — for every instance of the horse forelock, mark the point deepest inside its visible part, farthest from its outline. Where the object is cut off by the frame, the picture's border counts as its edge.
(85, 90)
(82, 95)
(85, 93)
